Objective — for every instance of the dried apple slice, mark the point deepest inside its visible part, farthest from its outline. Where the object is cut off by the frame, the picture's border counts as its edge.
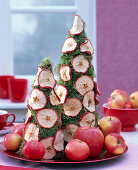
(31, 132)
(36, 79)
(80, 64)
(88, 101)
(58, 143)
(70, 45)
(37, 100)
(28, 116)
(49, 150)
(68, 132)
(84, 84)
(65, 72)
(78, 26)
(47, 118)
(87, 47)
(72, 107)
(96, 88)
(54, 99)
(88, 119)
(46, 79)
(62, 93)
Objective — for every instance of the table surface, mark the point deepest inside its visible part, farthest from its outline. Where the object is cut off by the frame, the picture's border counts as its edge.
(128, 161)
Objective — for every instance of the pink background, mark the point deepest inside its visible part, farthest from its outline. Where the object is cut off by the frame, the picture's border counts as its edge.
(117, 47)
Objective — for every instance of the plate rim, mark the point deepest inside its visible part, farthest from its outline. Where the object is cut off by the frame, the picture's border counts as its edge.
(61, 162)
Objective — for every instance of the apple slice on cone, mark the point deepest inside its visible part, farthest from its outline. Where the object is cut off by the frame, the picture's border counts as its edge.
(68, 132)
(62, 93)
(49, 150)
(88, 101)
(46, 79)
(80, 64)
(87, 47)
(96, 88)
(88, 119)
(70, 45)
(47, 118)
(78, 26)
(58, 142)
(54, 99)
(28, 116)
(36, 79)
(31, 132)
(37, 99)
(84, 84)
(65, 72)
(72, 107)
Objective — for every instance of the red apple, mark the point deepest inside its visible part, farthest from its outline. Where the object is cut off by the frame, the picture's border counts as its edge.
(116, 101)
(121, 92)
(110, 124)
(115, 144)
(19, 129)
(77, 150)
(93, 137)
(12, 141)
(34, 150)
(128, 105)
(133, 99)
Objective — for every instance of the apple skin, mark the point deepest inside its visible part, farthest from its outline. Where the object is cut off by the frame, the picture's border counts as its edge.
(128, 105)
(115, 144)
(133, 99)
(110, 124)
(34, 150)
(93, 137)
(19, 129)
(12, 141)
(121, 92)
(116, 101)
(77, 150)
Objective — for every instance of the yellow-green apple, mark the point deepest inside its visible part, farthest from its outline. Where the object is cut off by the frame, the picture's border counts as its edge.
(133, 99)
(110, 124)
(128, 105)
(116, 101)
(19, 129)
(115, 144)
(77, 150)
(12, 141)
(93, 137)
(121, 92)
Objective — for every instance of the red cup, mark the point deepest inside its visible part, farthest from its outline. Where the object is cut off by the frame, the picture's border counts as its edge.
(4, 117)
(17, 89)
(4, 93)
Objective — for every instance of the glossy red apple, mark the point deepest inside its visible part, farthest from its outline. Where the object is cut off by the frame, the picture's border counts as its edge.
(121, 92)
(115, 144)
(110, 124)
(128, 105)
(133, 99)
(19, 129)
(12, 141)
(77, 150)
(34, 150)
(116, 101)
(93, 137)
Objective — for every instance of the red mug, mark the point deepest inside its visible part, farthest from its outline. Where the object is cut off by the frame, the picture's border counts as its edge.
(4, 93)
(17, 89)
(4, 117)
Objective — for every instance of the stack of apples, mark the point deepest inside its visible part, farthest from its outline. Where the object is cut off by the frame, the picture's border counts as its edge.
(118, 99)
(91, 141)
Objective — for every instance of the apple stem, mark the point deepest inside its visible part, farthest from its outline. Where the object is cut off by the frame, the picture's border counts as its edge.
(91, 122)
(110, 118)
(119, 141)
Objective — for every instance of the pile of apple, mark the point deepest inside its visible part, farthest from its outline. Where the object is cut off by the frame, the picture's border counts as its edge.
(91, 141)
(118, 99)
(87, 141)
